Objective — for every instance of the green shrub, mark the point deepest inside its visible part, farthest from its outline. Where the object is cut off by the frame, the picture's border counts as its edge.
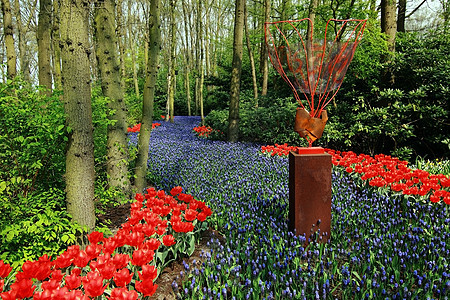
(33, 225)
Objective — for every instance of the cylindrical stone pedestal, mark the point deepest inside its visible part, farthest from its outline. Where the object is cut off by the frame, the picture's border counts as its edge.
(310, 192)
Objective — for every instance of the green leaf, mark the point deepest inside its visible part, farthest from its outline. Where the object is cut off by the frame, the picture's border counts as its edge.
(191, 245)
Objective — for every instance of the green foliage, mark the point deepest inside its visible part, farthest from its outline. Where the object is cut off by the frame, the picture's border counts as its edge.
(32, 139)
(269, 123)
(33, 225)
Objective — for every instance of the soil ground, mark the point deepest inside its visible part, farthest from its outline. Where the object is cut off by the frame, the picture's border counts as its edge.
(116, 216)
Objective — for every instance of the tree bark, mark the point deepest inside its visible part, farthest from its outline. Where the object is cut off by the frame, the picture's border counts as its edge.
(108, 63)
(56, 48)
(171, 78)
(264, 64)
(120, 37)
(389, 27)
(233, 126)
(76, 77)
(44, 43)
(148, 95)
(401, 16)
(24, 58)
(250, 55)
(133, 51)
(8, 30)
(188, 60)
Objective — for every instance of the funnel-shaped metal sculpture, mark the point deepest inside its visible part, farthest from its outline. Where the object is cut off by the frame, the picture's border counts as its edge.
(313, 63)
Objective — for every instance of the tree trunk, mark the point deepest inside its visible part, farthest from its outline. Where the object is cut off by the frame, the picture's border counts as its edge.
(24, 58)
(172, 57)
(8, 30)
(56, 49)
(76, 77)
(44, 42)
(264, 64)
(250, 55)
(148, 95)
(133, 51)
(120, 35)
(188, 60)
(389, 27)
(233, 126)
(108, 63)
(401, 16)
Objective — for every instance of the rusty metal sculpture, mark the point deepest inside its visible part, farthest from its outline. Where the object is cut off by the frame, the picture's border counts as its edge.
(315, 67)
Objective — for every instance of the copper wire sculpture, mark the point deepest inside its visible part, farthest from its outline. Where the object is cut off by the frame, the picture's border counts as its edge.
(315, 67)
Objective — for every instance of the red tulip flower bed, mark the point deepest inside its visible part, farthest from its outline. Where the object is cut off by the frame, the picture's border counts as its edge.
(384, 171)
(203, 131)
(118, 267)
(137, 127)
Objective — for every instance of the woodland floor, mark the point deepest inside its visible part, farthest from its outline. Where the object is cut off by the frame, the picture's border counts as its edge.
(116, 216)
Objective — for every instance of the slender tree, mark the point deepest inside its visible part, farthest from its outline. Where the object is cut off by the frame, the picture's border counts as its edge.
(401, 15)
(56, 53)
(389, 27)
(148, 95)
(233, 126)
(264, 64)
(44, 44)
(76, 78)
(132, 49)
(8, 30)
(171, 75)
(187, 64)
(250, 55)
(109, 66)
(22, 28)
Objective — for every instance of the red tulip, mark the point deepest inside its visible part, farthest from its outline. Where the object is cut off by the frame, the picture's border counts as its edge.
(123, 294)
(5, 269)
(168, 240)
(93, 284)
(147, 288)
(122, 277)
(95, 237)
(73, 281)
(23, 288)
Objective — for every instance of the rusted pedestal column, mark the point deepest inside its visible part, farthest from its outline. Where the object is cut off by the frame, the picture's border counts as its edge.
(310, 192)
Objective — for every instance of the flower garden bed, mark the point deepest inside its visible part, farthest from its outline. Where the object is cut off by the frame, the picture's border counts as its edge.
(383, 244)
(160, 227)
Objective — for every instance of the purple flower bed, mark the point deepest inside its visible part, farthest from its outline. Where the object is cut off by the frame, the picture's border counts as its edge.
(381, 246)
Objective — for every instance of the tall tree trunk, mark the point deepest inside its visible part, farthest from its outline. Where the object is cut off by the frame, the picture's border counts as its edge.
(233, 126)
(120, 37)
(312, 16)
(76, 77)
(44, 42)
(187, 65)
(172, 57)
(133, 51)
(250, 55)
(389, 27)
(401, 16)
(264, 64)
(108, 63)
(148, 95)
(24, 58)
(56, 49)
(8, 30)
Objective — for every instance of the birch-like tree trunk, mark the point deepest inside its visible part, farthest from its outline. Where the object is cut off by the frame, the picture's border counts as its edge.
(24, 57)
(8, 30)
(233, 126)
(389, 27)
(55, 44)
(148, 95)
(250, 55)
(171, 76)
(133, 50)
(187, 65)
(76, 78)
(264, 64)
(44, 44)
(108, 63)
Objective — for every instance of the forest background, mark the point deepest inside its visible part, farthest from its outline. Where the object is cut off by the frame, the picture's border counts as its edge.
(77, 74)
